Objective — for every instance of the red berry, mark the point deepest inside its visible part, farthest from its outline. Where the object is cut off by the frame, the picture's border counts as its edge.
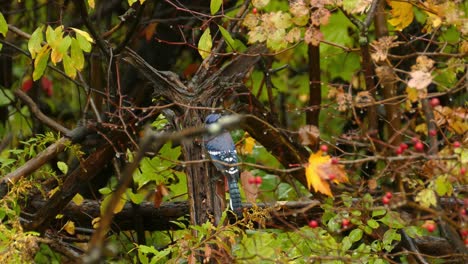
(433, 133)
(404, 146)
(385, 200)
(258, 180)
(462, 170)
(456, 144)
(389, 195)
(430, 227)
(466, 241)
(415, 140)
(324, 148)
(345, 222)
(251, 180)
(334, 160)
(464, 233)
(313, 223)
(27, 85)
(419, 146)
(399, 150)
(331, 176)
(435, 102)
(463, 211)
(254, 10)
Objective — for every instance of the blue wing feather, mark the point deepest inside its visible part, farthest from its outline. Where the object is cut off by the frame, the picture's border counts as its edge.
(221, 148)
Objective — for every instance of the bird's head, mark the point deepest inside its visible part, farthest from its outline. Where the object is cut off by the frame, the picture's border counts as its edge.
(212, 118)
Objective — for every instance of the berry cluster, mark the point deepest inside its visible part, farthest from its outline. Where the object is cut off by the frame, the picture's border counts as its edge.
(256, 180)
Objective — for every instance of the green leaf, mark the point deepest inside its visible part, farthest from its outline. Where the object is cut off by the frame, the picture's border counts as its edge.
(356, 212)
(368, 201)
(34, 43)
(389, 237)
(40, 63)
(372, 223)
(368, 230)
(355, 235)
(84, 44)
(76, 55)
(147, 249)
(136, 198)
(63, 167)
(215, 5)
(179, 224)
(414, 231)
(346, 244)
(392, 220)
(5, 162)
(5, 99)
(105, 190)
(170, 153)
(68, 66)
(378, 212)
(3, 25)
(443, 186)
(50, 35)
(205, 44)
(64, 44)
(227, 37)
(347, 199)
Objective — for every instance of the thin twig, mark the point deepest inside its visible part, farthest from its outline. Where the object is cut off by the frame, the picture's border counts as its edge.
(38, 113)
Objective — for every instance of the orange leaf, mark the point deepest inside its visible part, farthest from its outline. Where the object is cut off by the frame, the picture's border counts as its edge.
(320, 171)
(149, 31)
(159, 193)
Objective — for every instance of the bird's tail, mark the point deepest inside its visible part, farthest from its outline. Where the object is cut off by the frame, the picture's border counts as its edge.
(235, 198)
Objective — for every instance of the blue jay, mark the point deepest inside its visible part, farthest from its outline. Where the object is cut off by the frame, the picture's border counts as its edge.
(221, 148)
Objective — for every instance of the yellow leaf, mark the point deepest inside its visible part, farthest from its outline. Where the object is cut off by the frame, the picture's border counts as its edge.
(118, 207)
(412, 94)
(84, 34)
(40, 63)
(402, 14)
(53, 191)
(458, 126)
(320, 171)
(56, 56)
(421, 128)
(69, 227)
(426, 198)
(248, 145)
(95, 222)
(205, 44)
(68, 66)
(78, 199)
(91, 3)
